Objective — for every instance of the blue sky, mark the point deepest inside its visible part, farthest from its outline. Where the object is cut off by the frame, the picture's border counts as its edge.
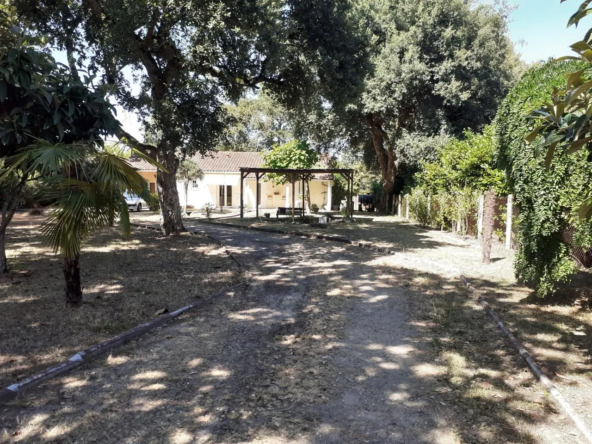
(541, 25)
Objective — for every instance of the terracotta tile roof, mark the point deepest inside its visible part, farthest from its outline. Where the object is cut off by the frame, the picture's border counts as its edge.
(140, 164)
(222, 162)
(228, 161)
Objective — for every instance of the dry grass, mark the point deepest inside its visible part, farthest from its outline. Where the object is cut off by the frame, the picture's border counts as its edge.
(557, 330)
(126, 281)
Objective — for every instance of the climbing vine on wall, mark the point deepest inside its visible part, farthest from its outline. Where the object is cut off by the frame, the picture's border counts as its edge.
(549, 198)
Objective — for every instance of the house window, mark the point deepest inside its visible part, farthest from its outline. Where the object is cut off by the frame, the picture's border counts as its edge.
(194, 184)
(229, 195)
(225, 199)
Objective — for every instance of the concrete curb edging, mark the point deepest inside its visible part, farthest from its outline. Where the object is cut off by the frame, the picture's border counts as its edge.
(12, 391)
(543, 379)
(341, 239)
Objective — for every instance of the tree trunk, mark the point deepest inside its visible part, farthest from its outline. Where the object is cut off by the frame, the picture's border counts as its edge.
(186, 183)
(72, 274)
(3, 261)
(386, 159)
(168, 196)
(11, 202)
(488, 223)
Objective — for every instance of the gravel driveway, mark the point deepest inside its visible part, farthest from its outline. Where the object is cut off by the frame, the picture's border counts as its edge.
(319, 346)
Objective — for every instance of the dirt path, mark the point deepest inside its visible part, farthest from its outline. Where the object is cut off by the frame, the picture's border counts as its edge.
(322, 346)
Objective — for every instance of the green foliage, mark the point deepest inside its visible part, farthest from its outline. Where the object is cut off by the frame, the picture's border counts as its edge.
(295, 155)
(439, 67)
(565, 120)
(549, 195)
(152, 202)
(40, 99)
(256, 124)
(189, 170)
(464, 169)
(418, 206)
(466, 163)
(314, 208)
(87, 186)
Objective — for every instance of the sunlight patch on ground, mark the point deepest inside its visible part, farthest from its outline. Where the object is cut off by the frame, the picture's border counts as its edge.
(195, 362)
(254, 314)
(218, 373)
(146, 405)
(117, 360)
(149, 375)
(181, 437)
(427, 370)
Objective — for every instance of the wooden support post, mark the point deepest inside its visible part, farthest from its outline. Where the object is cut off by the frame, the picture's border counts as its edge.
(480, 218)
(257, 195)
(242, 211)
(407, 207)
(509, 215)
(400, 206)
(303, 196)
(351, 198)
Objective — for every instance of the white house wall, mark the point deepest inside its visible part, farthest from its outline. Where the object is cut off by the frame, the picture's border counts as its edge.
(272, 195)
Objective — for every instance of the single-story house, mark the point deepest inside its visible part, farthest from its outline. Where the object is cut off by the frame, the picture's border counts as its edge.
(220, 185)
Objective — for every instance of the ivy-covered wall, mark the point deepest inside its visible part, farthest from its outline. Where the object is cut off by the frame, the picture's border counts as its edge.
(548, 198)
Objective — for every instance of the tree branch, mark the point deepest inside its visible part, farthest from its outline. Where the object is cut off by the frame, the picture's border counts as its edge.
(128, 139)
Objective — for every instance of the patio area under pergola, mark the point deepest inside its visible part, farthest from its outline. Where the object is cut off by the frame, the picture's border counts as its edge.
(293, 176)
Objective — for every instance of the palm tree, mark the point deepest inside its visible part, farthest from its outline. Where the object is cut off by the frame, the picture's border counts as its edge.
(189, 170)
(86, 182)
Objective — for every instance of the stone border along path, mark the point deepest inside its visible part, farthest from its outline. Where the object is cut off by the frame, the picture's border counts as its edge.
(542, 378)
(12, 391)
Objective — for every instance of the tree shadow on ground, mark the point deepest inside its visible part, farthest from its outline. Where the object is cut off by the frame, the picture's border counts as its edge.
(126, 281)
(322, 346)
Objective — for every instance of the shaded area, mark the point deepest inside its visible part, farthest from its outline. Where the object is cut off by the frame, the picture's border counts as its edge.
(126, 281)
(326, 345)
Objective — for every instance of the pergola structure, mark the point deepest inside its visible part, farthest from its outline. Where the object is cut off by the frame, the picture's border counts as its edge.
(293, 176)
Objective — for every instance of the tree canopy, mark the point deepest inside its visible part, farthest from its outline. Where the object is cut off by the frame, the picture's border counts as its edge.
(189, 56)
(256, 124)
(294, 155)
(437, 67)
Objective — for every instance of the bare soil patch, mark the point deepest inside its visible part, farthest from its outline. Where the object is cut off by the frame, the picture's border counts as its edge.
(126, 281)
(556, 330)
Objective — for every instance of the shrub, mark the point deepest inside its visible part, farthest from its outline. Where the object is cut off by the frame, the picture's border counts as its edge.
(418, 206)
(314, 208)
(549, 198)
(152, 203)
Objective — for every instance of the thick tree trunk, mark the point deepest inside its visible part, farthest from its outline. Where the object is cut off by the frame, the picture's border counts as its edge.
(488, 224)
(386, 159)
(72, 274)
(168, 196)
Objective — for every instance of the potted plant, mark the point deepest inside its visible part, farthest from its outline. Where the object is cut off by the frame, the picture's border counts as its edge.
(315, 208)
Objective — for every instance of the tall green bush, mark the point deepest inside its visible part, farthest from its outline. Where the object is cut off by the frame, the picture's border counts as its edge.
(549, 198)
(463, 170)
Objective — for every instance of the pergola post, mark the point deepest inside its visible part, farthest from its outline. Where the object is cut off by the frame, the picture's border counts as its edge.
(303, 196)
(351, 198)
(241, 193)
(293, 177)
(257, 195)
